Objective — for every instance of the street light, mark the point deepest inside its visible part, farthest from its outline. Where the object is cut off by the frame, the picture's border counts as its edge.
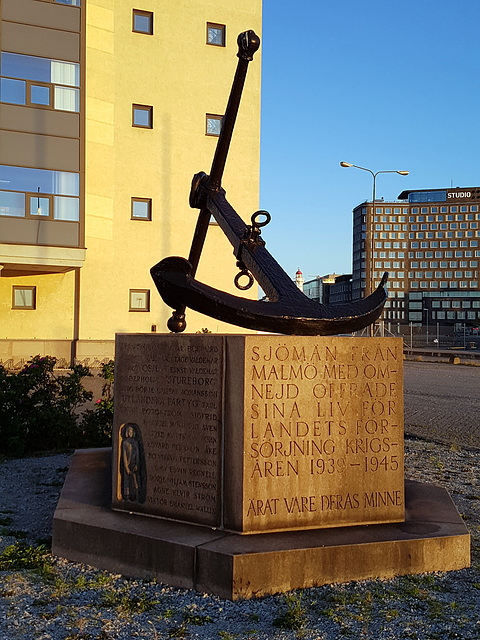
(426, 310)
(369, 224)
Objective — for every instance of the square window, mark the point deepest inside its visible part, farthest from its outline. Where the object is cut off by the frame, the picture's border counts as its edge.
(142, 22)
(142, 116)
(40, 95)
(23, 297)
(40, 205)
(64, 73)
(139, 300)
(12, 204)
(13, 91)
(213, 125)
(141, 208)
(216, 34)
(66, 99)
(66, 208)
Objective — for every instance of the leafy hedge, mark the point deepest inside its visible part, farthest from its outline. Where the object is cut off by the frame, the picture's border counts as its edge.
(40, 410)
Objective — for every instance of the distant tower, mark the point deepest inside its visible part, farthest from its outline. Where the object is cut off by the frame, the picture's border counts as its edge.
(299, 279)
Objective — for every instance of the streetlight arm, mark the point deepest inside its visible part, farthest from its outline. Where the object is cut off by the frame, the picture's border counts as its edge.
(348, 164)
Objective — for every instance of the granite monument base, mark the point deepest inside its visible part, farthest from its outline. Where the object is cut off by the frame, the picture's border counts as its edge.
(259, 433)
(433, 537)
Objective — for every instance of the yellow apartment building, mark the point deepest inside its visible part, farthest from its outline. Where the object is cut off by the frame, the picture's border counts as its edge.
(107, 109)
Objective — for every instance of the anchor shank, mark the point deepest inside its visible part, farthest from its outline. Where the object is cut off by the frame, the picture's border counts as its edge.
(199, 239)
(248, 43)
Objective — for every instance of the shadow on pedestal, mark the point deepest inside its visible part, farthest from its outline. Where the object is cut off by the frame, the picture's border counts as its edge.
(85, 529)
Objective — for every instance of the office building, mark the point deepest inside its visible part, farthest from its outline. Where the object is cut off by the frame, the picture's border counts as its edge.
(428, 241)
(107, 109)
(329, 289)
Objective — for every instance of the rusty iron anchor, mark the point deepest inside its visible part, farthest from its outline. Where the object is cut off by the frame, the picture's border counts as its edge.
(288, 310)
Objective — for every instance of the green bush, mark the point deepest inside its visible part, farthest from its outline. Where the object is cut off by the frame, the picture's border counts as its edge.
(39, 409)
(97, 423)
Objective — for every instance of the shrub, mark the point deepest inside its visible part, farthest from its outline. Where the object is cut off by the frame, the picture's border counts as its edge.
(96, 424)
(37, 407)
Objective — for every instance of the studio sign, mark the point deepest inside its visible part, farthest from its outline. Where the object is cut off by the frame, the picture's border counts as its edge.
(459, 194)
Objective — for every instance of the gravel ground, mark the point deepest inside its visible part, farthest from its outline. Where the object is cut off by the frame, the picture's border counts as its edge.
(67, 601)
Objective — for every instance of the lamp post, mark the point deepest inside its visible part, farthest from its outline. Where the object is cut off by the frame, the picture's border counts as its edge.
(426, 311)
(369, 225)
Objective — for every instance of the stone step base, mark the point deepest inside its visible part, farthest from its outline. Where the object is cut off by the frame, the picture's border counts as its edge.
(85, 529)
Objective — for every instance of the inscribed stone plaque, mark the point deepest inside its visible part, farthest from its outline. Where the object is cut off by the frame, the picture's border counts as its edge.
(167, 426)
(322, 432)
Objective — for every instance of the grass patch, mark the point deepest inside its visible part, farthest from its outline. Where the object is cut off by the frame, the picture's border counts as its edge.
(178, 632)
(293, 618)
(191, 618)
(128, 604)
(20, 556)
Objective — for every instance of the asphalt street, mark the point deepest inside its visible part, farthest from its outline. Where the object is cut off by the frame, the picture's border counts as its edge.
(442, 402)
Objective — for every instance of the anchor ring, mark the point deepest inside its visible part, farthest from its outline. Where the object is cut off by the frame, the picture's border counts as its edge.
(255, 217)
(244, 287)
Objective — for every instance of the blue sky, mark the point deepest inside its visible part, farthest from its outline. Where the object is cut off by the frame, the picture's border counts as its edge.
(381, 84)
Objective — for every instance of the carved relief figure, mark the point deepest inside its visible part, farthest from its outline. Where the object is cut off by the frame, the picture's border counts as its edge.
(132, 463)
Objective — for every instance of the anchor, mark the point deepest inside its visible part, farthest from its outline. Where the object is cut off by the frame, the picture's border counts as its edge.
(287, 310)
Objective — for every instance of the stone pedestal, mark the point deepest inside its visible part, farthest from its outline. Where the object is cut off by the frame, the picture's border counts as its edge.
(295, 441)
(259, 433)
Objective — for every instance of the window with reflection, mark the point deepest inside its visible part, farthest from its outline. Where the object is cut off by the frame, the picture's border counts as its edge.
(216, 34)
(23, 297)
(139, 300)
(39, 82)
(141, 209)
(213, 125)
(71, 3)
(142, 116)
(40, 205)
(142, 22)
(26, 192)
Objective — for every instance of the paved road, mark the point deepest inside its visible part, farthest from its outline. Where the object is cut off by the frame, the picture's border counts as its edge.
(442, 402)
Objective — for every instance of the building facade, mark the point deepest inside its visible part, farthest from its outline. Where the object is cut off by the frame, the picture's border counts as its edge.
(428, 242)
(107, 109)
(329, 289)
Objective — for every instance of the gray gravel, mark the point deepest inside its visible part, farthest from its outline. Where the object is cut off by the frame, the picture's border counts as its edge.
(75, 602)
